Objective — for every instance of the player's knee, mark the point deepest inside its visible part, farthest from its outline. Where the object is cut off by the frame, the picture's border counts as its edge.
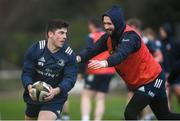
(100, 96)
(46, 115)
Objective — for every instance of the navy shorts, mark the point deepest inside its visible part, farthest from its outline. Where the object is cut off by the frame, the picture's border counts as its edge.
(155, 89)
(32, 110)
(98, 82)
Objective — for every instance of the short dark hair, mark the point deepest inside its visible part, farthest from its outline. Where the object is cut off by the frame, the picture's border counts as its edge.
(96, 22)
(55, 24)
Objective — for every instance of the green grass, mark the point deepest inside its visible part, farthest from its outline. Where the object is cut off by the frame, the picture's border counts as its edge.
(114, 108)
(115, 105)
(12, 109)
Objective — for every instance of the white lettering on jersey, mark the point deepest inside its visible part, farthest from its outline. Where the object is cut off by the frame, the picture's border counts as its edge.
(125, 40)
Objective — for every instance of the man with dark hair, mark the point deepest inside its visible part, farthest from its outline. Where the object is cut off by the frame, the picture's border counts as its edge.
(53, 62)
(134, 63)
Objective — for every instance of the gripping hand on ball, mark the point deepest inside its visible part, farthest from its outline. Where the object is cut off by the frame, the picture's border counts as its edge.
(31, 92)
(53, 92)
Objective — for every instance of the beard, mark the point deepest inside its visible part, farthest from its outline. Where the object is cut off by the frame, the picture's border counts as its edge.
(109, 31)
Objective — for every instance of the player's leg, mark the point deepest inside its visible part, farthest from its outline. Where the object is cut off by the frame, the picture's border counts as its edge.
(147, 114)
(176, 89)
(86, 97)
(177, 92)
(169, 94)
(143, 96)
(47, 115)
(86, 104)
(51, 111)
(137, 103)
(32, 111)
(129, 96)
(161, 110)
(102, 87)
(100, 106)
(160, 104)
(65, 112)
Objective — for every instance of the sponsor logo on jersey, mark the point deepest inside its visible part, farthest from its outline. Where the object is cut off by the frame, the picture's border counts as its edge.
(41, 61)
(142, 89)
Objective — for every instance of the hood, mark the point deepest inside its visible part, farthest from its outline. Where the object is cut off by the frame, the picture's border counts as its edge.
(116, 15)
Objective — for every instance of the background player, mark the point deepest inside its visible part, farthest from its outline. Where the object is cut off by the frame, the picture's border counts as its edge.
(97, 81)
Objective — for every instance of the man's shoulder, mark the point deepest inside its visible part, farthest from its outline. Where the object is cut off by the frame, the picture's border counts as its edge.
(132, 35)
(67, 50)
(39, 45)
(36, 48)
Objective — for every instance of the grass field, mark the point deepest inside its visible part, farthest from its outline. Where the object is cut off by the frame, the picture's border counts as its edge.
(115, 105)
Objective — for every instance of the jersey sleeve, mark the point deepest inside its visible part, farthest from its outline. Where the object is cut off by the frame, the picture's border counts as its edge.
(28, 67)
(91, 51)
(69, 75)
(130, 43)
(89, 42)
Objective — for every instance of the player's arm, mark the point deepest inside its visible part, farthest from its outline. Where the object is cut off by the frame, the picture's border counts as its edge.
(69, 79)
(89, 42)
(28, 68)
(91, 51)
(130, 43)
(69, 76)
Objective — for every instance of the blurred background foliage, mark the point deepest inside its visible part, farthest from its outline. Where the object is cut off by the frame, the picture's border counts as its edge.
(22, 22)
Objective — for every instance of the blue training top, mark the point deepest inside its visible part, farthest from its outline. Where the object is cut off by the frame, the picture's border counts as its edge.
(57, 69)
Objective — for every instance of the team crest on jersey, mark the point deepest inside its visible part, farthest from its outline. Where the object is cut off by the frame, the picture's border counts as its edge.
(61, 62)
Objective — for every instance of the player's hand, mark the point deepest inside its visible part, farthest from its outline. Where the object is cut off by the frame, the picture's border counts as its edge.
(53, 92)
(31, 91)
(96, 64)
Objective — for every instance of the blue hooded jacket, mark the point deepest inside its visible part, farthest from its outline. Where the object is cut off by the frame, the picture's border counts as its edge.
(117, 18)
(123, 44)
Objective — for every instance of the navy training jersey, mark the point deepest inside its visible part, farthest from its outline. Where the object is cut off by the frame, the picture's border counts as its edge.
(57, 69)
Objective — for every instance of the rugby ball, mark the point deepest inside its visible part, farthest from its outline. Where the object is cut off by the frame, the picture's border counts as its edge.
(40, 90)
